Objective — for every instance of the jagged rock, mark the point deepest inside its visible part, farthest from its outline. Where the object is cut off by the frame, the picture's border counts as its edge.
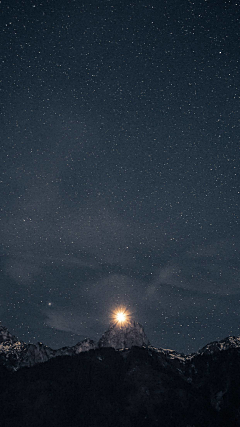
(15, 354)
(226, 343)
(84, 345)
(125, 336)
(6, 337)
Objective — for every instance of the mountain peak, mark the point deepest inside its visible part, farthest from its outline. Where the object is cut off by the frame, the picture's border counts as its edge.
(216, 346)
(124, 336)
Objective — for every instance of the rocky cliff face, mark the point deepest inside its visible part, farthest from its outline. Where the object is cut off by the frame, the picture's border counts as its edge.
(126, 336)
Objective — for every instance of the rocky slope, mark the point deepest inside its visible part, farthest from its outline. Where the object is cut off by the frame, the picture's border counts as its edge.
(15, 354)
(124, 336)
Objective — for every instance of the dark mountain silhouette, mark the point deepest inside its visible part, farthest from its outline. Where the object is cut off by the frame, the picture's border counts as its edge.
(95, 384)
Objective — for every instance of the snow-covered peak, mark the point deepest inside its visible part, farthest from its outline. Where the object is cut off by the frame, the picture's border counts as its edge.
(125, 336)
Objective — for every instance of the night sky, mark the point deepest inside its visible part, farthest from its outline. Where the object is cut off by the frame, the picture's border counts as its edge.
(120, 162)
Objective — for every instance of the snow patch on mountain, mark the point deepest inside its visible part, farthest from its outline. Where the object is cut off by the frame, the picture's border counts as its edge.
(216, 346)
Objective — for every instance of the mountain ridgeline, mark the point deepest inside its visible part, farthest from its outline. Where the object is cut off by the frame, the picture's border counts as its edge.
(120, 381)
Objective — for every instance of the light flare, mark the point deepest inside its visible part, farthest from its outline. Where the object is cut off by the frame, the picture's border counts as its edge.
(121, 316)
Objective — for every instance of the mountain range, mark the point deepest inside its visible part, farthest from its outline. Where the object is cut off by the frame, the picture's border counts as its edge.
(121, 380)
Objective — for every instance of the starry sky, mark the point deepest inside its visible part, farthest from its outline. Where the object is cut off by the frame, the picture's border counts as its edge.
(119, 124)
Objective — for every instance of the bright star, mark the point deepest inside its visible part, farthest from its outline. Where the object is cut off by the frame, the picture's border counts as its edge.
(121, 316)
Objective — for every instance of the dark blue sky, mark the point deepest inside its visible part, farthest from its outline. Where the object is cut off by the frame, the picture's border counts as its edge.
(120, 169)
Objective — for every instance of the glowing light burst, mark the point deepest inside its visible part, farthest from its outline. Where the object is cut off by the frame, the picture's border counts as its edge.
(121, 316)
